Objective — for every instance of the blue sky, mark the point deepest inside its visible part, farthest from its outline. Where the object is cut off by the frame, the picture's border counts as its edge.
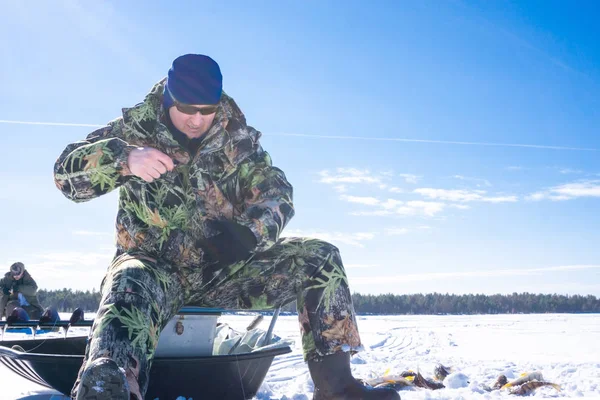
(392, 120)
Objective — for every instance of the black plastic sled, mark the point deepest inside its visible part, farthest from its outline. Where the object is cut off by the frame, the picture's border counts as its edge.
(183, 365)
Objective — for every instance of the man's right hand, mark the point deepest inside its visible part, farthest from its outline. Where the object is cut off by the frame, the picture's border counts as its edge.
(6, 291)
(148, 163)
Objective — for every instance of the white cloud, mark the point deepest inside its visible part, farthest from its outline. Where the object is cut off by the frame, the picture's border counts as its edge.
(478, 181)
(396, 231)
(460, 206)
(70, 258)
(391, 204)
(569, 191)
(391, 207)
(410, 178)
(353, 239)
(349, 175)
(501, 199)
(377, 213)
(370, 201)
(566, 171)
(91, 233)
(78, 270)
(580, 189)
(537, 196)
(469, 274)
(450, 195)
(460, 195)
(396, 207)
(416, 207)
(361, 266)
(343, 177)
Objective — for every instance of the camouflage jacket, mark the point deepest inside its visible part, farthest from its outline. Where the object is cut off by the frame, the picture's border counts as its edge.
(230, 177)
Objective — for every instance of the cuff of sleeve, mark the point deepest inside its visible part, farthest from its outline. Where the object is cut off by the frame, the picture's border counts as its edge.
(260, 232)
(235, 242)
(240, 235)
(121, 160)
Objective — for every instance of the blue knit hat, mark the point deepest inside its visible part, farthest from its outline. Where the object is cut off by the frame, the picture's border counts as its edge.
(193, 79)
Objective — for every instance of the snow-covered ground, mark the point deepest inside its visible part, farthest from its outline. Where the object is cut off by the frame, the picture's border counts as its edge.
(564, 348)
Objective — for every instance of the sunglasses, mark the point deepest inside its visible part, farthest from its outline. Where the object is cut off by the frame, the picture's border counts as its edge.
(191, 110)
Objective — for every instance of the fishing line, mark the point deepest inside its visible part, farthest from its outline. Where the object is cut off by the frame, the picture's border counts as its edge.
(53, 326)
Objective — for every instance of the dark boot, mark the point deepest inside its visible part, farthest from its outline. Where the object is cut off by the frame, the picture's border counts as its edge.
(334, 381)
(103, 380)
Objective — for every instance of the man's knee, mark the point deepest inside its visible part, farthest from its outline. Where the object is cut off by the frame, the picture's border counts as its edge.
(11, 305)
(323, 245)
(326, 251)
(135, 276)
(312, 246)
(317, 254)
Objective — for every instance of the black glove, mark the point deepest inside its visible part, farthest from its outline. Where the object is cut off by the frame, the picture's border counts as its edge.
(5, 290)
(233, 244)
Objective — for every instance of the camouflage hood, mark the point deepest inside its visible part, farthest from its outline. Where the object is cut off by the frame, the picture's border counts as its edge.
(230, 177)
(228, 136)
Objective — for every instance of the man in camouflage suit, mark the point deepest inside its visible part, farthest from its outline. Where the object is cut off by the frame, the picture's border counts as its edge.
(201, 210)
(18, 289)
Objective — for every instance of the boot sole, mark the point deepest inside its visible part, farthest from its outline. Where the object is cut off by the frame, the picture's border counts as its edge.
(103, 381)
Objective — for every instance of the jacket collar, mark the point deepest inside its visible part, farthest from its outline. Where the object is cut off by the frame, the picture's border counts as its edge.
(147, 118)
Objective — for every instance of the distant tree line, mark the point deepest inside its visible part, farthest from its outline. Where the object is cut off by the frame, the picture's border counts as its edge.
(438, 303)
(66, 300)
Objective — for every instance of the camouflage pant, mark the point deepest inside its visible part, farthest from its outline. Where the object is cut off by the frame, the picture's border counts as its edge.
(140, 295)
